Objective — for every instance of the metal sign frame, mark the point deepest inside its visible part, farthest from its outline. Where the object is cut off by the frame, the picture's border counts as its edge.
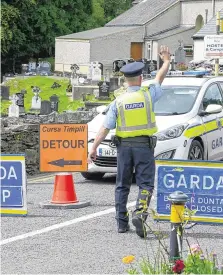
(181, 167)
(15, 209)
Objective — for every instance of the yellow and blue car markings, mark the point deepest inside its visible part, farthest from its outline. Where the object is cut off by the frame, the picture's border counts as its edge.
(202, 129)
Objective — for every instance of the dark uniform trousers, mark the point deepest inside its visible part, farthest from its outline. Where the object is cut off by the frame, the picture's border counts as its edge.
(141, 157)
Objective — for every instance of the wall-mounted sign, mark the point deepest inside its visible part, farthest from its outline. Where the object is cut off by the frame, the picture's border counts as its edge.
(213, 46)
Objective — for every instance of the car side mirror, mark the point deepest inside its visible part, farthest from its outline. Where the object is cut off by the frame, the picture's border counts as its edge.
(213, 109)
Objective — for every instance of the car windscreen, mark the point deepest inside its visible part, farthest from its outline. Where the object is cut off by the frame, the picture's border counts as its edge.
(176, 100)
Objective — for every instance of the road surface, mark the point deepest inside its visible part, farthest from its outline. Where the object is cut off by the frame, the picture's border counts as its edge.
(81, 241)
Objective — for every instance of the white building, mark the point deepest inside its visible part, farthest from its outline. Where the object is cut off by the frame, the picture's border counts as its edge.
(137, 33)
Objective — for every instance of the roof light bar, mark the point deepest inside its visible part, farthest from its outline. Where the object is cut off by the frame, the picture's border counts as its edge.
(184, 73)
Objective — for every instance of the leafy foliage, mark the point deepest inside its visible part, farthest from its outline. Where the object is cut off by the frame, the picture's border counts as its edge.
(29, 27)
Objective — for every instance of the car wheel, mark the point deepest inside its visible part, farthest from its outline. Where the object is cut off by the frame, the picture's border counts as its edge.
(196, 151)
(92, 176)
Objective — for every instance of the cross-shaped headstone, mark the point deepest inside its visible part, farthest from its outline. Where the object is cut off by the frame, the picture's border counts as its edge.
(96, 72)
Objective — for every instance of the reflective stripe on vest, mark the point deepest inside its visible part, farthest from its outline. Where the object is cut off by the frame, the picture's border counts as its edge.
(149, 124)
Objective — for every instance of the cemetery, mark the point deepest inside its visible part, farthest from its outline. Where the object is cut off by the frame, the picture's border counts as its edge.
(36, 91)
(28, 101)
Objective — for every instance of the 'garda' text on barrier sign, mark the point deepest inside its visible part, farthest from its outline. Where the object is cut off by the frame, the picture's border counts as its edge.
(63, 147)
(13, 185)
(203, 183)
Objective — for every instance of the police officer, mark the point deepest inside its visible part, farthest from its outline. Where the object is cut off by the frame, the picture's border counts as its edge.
(133, 117)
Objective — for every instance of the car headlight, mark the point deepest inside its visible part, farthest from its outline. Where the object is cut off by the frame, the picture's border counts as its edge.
(172, 132)
(166, 155)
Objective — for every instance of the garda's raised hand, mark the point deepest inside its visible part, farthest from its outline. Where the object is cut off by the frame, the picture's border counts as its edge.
(164, 53)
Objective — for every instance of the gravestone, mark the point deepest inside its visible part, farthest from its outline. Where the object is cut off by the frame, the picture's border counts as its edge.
(4, 93)
(180, 54)
(74, 76)
(20, 102)
(113, 84)
(36, 100)
(103, 89)
(45, 107)
(90, 70)
(13, 108)
(44, 67)
(96, 93)
(25, 68)
(150, 66)
(54, 102)
(32, 67)
(96, 72)
(107, 75)
(101, 67)
(118, 64)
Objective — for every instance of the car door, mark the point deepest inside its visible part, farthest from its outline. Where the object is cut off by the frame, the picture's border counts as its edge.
(213, 122)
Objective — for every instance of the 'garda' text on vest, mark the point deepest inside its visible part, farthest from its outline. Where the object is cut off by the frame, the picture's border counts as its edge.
(132, 106)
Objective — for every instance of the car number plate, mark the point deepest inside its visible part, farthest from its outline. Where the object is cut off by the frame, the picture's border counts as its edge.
(103, 152)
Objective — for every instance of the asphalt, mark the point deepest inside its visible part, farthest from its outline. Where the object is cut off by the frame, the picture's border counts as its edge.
(88, 243)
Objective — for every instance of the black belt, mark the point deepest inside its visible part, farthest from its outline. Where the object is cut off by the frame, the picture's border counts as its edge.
(141, 141)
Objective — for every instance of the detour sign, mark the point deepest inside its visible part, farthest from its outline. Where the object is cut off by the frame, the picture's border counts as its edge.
(63, 147)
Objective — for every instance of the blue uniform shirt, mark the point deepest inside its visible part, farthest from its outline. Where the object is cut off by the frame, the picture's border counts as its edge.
(111, 116)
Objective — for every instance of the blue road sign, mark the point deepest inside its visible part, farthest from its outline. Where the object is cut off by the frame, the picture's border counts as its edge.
(11, 196)
(13, 185)
(201, 181)
(11, 173)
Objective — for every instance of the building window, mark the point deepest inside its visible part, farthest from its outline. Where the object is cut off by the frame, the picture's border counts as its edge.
(199, 23)
(149, 50)
(189, 50)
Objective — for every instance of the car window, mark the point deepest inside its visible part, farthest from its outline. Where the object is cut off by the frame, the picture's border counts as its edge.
(212, 96)
(176, 100)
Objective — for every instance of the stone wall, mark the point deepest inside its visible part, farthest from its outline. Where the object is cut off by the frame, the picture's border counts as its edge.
(21, 135)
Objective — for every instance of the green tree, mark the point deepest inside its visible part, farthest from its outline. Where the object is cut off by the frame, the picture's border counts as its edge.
(113, 8)
(9, 16)
(97, 18)
(29, 27)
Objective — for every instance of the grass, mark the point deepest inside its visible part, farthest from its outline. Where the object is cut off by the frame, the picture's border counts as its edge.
(44, 83)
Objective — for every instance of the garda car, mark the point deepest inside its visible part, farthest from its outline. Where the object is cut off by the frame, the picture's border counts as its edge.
(189, 117)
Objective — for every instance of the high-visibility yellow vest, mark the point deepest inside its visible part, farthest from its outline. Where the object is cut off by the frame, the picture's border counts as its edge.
(135, 114)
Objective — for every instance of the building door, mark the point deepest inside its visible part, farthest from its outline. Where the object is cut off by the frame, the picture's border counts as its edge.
(136, 50)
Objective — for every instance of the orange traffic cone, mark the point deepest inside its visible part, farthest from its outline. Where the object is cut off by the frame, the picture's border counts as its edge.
(64, 195)
(64, 190)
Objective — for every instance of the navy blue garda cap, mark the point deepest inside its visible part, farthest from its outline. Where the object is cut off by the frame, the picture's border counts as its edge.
(132, 69)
